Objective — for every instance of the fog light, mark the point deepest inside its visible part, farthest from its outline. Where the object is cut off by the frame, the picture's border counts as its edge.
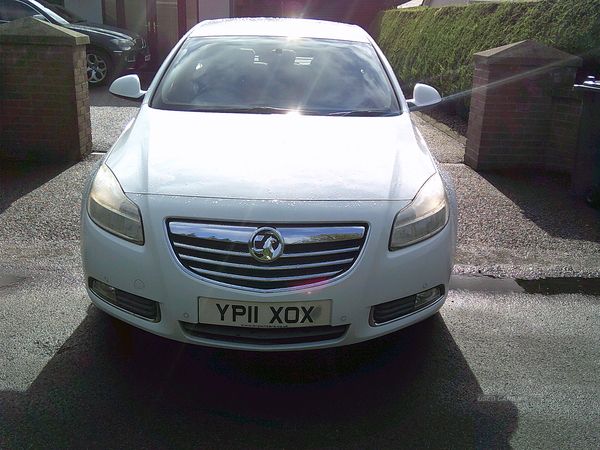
(426, 297)
(139, 306)
(104, 291)
(390, 311)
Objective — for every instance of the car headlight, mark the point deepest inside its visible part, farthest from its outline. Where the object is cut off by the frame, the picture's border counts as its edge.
(123, 44)
(426, 215)
(110, 209)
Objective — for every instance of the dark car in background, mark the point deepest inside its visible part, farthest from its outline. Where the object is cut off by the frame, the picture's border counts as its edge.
(111, 50)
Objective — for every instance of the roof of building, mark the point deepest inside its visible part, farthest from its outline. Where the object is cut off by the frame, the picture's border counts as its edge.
(411, 4)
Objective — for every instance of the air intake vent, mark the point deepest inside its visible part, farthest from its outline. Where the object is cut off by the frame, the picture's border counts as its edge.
(265, 336)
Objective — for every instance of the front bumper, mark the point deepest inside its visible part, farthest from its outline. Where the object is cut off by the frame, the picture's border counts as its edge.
(378, 280)
(133, 59)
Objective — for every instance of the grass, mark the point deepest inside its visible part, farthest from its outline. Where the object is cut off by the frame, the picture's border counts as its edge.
(436, 45)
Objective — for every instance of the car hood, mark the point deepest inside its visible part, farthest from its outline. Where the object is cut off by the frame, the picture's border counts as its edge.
(90, 28)
(271, 157)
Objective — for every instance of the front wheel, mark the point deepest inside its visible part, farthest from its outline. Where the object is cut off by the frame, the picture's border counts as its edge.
(98, 67)
(592, 196)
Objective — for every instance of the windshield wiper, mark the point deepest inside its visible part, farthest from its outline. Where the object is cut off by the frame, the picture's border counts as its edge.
(362, 112)
(308, 112)
(268, 110)
(237, 109)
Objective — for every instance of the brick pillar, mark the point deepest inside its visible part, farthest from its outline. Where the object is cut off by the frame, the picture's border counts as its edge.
(511, 116)
(44, 101)
(565, 126)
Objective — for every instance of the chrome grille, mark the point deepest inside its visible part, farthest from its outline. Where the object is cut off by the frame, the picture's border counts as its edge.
(221, 253)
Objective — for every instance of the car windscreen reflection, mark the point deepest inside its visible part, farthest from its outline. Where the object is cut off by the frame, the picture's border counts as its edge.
(276, 75)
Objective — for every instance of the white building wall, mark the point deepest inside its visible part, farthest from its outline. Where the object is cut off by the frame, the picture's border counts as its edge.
(436, 3)
(90, 10)
(213, 9)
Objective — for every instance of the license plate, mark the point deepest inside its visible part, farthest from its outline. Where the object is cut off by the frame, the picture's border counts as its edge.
(264, 315)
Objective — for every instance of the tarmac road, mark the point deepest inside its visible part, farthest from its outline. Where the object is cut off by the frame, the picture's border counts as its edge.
(512, 361)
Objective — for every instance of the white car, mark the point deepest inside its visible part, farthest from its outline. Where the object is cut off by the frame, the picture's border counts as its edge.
(271, 194)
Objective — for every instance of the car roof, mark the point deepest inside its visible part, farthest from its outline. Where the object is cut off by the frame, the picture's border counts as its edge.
(261, 26)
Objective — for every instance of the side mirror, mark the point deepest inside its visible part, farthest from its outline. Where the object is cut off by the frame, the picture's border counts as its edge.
(128, 86)
(423, 96)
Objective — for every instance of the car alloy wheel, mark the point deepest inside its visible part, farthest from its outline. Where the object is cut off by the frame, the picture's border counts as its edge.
(97, 67)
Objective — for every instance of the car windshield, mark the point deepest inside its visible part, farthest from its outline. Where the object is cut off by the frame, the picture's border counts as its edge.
(57, 13)
(276, 75)
(69, 16)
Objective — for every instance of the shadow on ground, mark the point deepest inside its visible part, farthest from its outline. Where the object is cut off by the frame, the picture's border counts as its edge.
(110, 386)
(545, 198)
(18, 178)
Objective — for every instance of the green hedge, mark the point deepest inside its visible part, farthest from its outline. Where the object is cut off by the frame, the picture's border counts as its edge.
(436, 45)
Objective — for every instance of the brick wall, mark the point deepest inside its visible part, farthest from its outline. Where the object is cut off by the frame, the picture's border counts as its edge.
(44, 107)
(516, 120)
(566, 114)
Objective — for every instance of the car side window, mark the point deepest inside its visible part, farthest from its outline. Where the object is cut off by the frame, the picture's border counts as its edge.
(12, 10)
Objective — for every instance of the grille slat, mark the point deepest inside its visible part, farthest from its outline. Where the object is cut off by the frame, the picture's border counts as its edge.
(221, 253)
(292, 255)
(209, 250)
(263, 279)
(266, 268)
(324, 252)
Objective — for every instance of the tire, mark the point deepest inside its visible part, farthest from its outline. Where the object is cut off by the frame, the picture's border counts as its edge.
(98, 67)
(592, 196)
